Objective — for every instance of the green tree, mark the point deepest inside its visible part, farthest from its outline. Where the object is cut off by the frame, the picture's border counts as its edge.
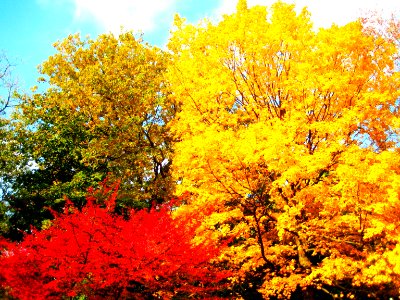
(117, 84)
(44, 162)
(104, 113)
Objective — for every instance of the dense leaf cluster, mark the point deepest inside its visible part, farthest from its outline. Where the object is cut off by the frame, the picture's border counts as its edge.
(280, 141)
(96, 253)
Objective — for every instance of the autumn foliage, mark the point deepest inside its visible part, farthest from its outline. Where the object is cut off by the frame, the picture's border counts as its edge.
(100, 255)
(291, 135)
(280, 140)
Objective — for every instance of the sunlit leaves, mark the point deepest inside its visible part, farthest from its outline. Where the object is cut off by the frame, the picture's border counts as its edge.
(117, 84)
(287, 151)
(289, 135)
(102, 112)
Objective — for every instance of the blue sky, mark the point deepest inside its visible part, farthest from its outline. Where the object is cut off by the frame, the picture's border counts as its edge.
(30, 27)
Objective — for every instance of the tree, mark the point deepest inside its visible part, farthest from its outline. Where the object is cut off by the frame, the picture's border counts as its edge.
(8, 87)
(7, 83)
(290, 136)
(100, 255)
(44, 153)
(103, 114)
(117, 84)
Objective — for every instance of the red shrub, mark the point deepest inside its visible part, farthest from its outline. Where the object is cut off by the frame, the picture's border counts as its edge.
(96, 253)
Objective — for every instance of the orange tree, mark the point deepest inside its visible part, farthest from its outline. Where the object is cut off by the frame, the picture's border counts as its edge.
(290, 136)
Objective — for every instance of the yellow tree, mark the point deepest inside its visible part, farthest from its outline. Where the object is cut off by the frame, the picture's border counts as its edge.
(289, 136)
(115, 85)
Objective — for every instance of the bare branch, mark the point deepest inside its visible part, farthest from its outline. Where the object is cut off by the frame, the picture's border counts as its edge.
(8, 85)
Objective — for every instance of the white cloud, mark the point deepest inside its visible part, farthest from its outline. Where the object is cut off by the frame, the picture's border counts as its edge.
(326, 12)
(138, 15)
